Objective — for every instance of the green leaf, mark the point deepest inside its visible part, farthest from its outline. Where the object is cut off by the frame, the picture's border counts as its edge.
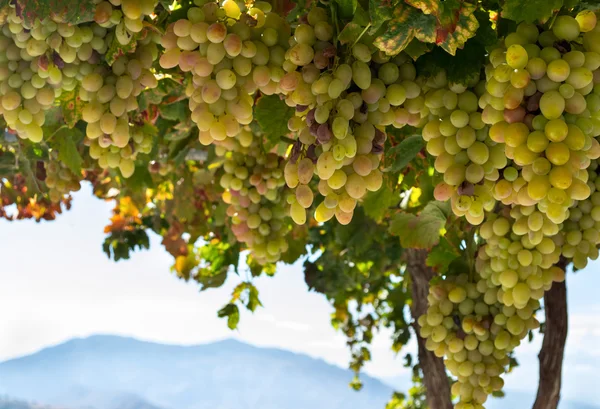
(441, 256)
(68, 11)
(232, 312)
(65, 142)
(350, 33)
(272, 114)
(347, 8)
(406, 23)
(531, 10)
(361, 16)
(381, 11)
(405, 152)
(416, 48)
(422, 231)
(377, 203)
(177, 111)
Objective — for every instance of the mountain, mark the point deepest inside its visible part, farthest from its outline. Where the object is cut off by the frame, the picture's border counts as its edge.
(109, 372)
(7, 403)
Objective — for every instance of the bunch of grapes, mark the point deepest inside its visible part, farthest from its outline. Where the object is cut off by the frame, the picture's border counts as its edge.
(581, 231)
(522, 246)
(474, 333)
(60, 180)
(124, 17)
(110, 94)
(344, 99)
(38, 63)
(255, 191)
(537, 90)
(466, 156)
(230, 54)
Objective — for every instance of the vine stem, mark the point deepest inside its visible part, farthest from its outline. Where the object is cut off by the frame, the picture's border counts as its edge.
(361, 34)
(287, 139)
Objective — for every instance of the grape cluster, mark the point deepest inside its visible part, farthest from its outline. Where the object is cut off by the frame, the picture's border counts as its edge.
(60, 180)
(466, 156)
(343, 104)
(474, 333)
(38, 63)
(124, 17)
(581, 232)
(230, 54)
(255, 191)
(110, 94)
(536, 103)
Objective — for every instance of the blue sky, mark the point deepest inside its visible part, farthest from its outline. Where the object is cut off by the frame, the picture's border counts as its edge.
(56, 283)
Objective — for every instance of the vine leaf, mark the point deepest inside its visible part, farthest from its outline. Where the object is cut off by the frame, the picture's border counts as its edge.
(381, 11)
(441, 256)
(401, 154)
(405, 24)
(65, 141)
(416, 48)
(531, 10)
(377, 203)
(347, 8)
(272, 114)
(67, 11)
(422, 231)
(449, 24)
(465, 28)
(232, 313)
(71, 107)
(349, 33)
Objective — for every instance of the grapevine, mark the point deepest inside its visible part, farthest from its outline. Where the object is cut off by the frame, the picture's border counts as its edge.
(227, 127)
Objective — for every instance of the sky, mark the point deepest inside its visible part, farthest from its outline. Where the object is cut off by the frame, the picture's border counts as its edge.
(57, 284)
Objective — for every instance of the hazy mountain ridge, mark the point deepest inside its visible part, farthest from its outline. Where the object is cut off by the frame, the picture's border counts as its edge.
(93, 372)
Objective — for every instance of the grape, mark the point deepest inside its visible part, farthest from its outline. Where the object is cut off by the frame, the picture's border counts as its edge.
(566, 28)
(586, 20)
(552, 104)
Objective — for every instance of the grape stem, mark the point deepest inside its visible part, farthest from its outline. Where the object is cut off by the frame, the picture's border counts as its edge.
(287, 139)
(361, 34)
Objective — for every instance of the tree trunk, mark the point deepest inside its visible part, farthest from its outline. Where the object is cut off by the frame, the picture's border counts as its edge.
(553, 348)
(434, 372)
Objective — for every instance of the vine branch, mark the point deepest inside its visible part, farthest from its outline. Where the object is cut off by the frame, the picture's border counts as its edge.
(553, 347)
(434, 372)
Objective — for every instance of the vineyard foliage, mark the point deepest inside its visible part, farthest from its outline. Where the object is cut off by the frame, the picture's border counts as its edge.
(338, 133)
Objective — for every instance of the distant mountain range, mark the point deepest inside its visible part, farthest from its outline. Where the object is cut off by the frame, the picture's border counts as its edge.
(110, 372)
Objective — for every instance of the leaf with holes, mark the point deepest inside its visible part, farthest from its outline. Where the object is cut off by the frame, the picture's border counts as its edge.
(71, 107)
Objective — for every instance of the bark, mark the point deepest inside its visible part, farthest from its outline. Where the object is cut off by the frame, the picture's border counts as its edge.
(434, 372)
(553, 348)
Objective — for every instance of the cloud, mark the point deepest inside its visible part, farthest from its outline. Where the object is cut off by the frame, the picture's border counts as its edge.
(285, 324)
